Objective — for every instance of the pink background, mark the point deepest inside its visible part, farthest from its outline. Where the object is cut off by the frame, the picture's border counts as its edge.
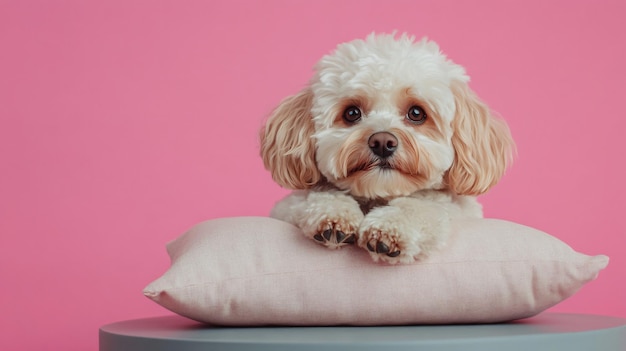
(123, 123)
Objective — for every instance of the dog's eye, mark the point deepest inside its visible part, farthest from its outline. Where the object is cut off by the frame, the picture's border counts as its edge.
(416, 115)
(352, 114)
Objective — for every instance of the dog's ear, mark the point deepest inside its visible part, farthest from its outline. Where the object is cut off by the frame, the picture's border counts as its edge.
(287, 146)
(482, 143)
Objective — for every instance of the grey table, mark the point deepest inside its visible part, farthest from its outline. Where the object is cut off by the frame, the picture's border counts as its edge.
(546, 332)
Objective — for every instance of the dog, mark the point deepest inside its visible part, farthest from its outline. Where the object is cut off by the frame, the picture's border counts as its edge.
(384, 148)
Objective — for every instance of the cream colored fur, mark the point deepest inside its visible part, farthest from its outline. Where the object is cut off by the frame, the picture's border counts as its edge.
(399, 207)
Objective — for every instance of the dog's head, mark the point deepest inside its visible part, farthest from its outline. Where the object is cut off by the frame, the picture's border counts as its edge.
(386, 117)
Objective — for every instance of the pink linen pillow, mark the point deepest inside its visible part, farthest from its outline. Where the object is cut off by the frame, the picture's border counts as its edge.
(261, 271)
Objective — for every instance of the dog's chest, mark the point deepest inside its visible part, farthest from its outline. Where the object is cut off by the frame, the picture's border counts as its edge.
(368, 204)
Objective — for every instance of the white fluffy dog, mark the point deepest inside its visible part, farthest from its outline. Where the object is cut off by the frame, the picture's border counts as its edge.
(384, 147)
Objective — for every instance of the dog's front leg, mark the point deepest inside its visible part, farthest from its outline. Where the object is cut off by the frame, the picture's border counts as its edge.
(330, 218)
(405, 230)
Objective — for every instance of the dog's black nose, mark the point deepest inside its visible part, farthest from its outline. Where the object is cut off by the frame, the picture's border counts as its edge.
(383, 144)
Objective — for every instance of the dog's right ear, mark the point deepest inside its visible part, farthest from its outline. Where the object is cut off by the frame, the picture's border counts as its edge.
(287, 146)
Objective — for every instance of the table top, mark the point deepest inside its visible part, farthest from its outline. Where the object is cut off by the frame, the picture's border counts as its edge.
(548, 331)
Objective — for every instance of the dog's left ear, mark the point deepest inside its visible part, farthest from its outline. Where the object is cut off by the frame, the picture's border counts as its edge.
(482, 143)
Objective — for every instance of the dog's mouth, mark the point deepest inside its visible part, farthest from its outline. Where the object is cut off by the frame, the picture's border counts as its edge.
(380, 164)
(385, 165)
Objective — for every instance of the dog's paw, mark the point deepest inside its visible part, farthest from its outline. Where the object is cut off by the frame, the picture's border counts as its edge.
(392, 235)
(330, 218)
(384, 245)
(335, 234)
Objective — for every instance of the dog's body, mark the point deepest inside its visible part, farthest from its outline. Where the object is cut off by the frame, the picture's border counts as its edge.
(385, 147)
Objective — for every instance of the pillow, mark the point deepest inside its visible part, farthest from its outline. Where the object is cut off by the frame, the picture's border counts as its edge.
(248, 271)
